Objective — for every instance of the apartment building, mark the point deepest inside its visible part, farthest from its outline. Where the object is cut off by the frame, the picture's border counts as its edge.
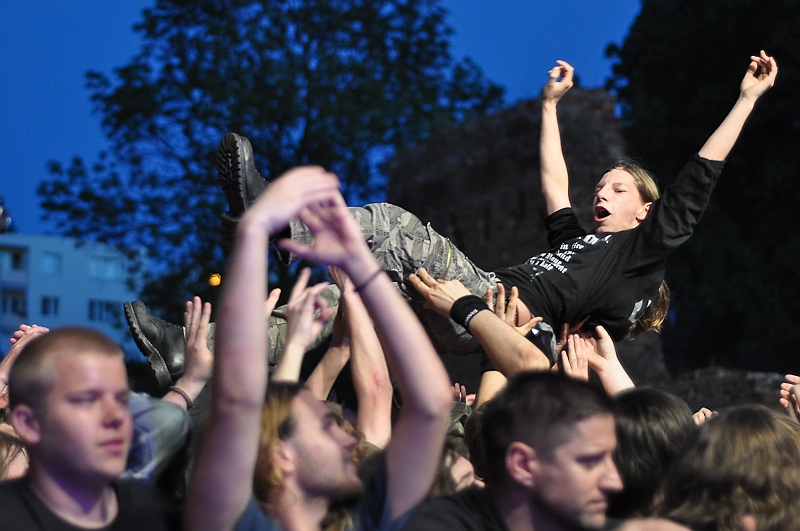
(56, 281)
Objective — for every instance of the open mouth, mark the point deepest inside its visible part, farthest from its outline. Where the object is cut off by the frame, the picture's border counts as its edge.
(600, 213)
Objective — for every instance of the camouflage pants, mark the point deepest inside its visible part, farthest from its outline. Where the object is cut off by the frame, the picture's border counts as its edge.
(402, 244)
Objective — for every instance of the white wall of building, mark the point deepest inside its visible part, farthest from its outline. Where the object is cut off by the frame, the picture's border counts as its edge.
(55, 281)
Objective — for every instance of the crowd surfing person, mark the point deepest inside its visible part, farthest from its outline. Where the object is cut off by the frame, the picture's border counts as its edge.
(612, 277)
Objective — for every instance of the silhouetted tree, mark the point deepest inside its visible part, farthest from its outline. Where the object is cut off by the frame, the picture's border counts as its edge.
(339, 83)
(735, 294)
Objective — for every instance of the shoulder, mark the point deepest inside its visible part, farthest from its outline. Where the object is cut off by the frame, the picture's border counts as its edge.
(141, 508)
(13, 492)
(468, 510)
(21, 509)
(562, 225)
(254, 519)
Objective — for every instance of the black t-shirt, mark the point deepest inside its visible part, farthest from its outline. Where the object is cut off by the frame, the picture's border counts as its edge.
(471, 510)
(611, 277)
(468, 510)
(22, 510)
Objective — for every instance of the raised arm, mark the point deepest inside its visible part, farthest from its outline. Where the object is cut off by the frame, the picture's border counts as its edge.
(759, 78)
(413, 452)
(553, 168)
(307, 312)
(18, 341)
(509, 351)
(199, 360)
(240, 370)
(370, 373)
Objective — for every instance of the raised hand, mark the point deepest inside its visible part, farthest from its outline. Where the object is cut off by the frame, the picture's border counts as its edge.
(788, 393)
(559, 82)
(289, 194)
(21, 337)
(199, 358)
(460, 394)
(575, 358)
(307, 312)
(337, 239)
(702, 415)
(760, 75)
(508, 312)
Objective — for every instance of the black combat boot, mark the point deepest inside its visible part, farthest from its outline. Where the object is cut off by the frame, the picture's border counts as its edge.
(161, 342)
(240, 181)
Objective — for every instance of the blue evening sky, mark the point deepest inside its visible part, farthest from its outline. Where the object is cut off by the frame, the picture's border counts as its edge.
(48, 45)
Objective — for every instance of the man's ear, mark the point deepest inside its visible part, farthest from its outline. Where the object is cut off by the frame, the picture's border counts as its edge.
(26, 424)
(522, 464)
(642, 213)
(285, 458)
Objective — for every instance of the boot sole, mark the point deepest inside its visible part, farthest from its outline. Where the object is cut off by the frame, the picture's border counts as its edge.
(230, 157)
(157, 363)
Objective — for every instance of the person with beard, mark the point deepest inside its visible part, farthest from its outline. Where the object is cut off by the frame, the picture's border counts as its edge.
(294, 448)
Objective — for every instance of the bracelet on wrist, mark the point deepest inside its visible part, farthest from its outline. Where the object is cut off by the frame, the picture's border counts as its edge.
(178, 390)
(465, 308)
(372, 277)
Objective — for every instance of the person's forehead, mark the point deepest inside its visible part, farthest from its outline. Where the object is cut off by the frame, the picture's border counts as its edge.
(90, 368)
(615, 176)
(306, 405)
(591, 435)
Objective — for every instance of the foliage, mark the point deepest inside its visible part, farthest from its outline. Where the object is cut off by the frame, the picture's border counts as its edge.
(339, 83)
(676, 75)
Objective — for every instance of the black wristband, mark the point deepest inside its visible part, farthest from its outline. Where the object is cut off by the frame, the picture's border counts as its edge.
(465, 308)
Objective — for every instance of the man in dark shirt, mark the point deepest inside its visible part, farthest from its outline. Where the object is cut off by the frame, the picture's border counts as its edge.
(548, 446)
(69, 405)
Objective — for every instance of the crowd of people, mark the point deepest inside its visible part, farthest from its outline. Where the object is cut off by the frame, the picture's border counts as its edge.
(238, 440)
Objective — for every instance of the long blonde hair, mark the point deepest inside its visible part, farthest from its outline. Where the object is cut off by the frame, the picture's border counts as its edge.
(646, 184)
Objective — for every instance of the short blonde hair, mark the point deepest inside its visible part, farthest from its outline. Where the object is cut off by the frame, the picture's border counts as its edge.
(33, 376)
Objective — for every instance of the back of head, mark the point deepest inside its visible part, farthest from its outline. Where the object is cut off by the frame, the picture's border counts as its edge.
(276, 424)
(744, 461)
(33, 375)
(473, 437)
(540, 409)
(652, 426)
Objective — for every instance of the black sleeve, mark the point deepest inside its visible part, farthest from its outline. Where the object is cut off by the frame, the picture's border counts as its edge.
(562, 225)
(673, 217)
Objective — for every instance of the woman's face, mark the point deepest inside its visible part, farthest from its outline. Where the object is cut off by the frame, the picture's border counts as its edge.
(618, 205)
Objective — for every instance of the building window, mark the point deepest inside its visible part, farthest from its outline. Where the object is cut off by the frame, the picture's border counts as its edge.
(106, 268)
(105, 311)
(51, 263)
(49, 305)
(12, 259)
(14, 303)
